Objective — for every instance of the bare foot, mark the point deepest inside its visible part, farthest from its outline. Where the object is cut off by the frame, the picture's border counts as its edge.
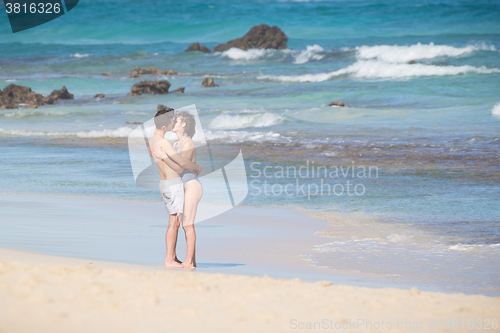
(188, 265)
(172, 264)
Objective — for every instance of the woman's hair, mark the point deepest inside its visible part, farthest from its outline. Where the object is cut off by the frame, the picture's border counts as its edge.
(188, 119)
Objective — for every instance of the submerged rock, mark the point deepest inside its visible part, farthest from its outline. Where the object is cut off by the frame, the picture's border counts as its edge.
(62, 93)
(106, 74)
(151, 70)
(150, 87)
(412, 62)
(133, 123)
(99, 96)
(180, 89)
(259, 37)
(208, 82)
(338, 103)
(198, 47)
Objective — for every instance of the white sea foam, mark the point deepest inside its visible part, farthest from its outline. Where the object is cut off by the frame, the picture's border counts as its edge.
(243, 121)
(373, 69)
(395, 238)
(121, 132)
(496, 110)
(472, 247)
(244, 136)
(395, 53)
(78, 55)
(252, 54)
(311, 53)
(24, 114)
(135, 112)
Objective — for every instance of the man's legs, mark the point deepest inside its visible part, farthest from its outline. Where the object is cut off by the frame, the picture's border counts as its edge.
(171, 240)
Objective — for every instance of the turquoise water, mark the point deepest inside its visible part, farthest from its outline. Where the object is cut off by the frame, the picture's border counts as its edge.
(432, 129)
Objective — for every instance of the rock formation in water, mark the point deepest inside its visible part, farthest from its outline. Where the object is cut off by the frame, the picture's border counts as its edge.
(150, 87)
(198, 47)
(338, 103)
(180, 89)
(14, 96)
(208, 82)
(259, 37)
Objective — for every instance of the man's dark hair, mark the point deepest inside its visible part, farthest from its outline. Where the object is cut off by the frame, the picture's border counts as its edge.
(188, 119)
(164, 117)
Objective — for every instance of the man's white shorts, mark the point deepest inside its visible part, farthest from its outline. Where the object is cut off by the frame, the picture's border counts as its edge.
(172, 192)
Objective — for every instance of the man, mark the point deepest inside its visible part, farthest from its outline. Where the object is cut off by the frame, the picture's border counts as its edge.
(171, 186)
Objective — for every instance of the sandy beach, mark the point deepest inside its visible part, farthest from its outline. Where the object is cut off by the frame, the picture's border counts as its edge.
(348, 153)
(40, 293)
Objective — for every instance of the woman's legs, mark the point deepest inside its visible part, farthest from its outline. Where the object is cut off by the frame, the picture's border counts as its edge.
(193, 192)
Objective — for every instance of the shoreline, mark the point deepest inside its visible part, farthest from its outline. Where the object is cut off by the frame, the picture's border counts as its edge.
(245, 240)
(60, 294)
(279, 241)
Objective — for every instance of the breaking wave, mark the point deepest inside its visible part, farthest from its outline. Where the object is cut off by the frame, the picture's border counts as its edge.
(249, 55)
(121, 132)
(311, 53)
(244, 136)
(496, 110)
(418, 51)
(78, 55)
(243, 121)
(373, 69)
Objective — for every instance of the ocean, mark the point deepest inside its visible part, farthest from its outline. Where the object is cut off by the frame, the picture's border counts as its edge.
(412, 165)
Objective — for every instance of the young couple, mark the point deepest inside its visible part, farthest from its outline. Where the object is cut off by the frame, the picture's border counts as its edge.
(179, 184)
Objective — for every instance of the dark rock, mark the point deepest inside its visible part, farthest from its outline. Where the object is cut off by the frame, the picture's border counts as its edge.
(151, 70)
(106, 74)
(62, 93)
(12, 95)
(198, 47)
(169, 72)
(337, 103)
(208, 82)
(150, 87)
(133, 123)
(259, 37)
(99, 96)
(180, 89)
(412, 62)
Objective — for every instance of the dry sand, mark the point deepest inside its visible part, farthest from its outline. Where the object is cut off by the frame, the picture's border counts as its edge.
(40, 293)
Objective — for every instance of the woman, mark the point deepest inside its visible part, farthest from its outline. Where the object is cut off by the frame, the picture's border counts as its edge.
(184, 128)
